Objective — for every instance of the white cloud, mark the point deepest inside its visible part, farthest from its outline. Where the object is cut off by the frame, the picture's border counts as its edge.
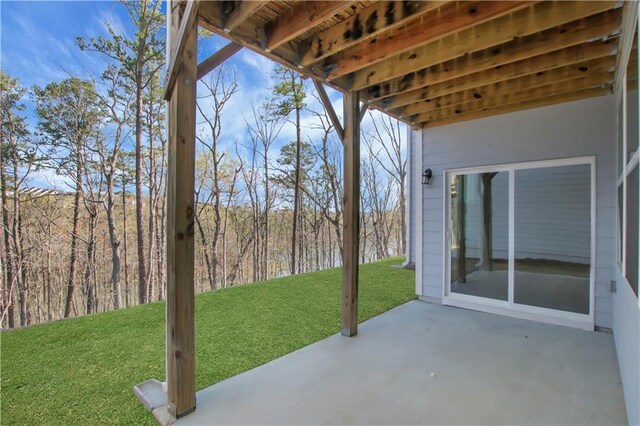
(48, 178)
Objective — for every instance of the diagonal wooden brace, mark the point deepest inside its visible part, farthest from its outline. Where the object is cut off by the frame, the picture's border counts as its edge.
(190, 16)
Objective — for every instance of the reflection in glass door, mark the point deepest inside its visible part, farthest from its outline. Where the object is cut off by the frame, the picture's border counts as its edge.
(520, 237)
(479, 230)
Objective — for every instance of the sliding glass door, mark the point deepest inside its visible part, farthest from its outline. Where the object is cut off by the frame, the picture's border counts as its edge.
(520, 237)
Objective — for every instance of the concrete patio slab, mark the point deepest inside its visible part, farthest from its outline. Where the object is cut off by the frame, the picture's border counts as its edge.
(422, 363)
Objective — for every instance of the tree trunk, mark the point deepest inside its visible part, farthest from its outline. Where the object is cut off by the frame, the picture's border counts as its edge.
(296, 191)
(403, 216)
(256, 242)
(7, 289)
(89, 276)
(49, 287)
(73, 258)
(127, 300)
(115, 244)
(207, 258)
(152, 208)
(142, 264)
(23, 282)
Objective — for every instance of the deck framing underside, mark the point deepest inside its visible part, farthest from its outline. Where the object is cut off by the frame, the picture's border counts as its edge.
(430, 63)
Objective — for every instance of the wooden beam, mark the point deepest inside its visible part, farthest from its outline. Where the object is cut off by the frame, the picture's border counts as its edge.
(215, 60)
(536, 103)
(568, 41)
(501, 92)
(328, 107)
(189, 19)
(629, 28)
(537, 18)
(299, 19)
(380, 16)
(181, 385)
(502, 98)
(351, 212)
(539, 64)
(450, 19)
(363, 110)
(474, 92)
(239, 12)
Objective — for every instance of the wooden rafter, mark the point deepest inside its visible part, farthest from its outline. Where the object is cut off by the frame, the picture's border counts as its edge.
(211, 18)
(451, 18)
(535, 103)
(299, 18)
(522, 76)
(536, 18)
(215, 60)
(569, 41)
(506, 95)
(371, 21)
(177, 49)
(239, 11)
(416, 57)
(497, 90)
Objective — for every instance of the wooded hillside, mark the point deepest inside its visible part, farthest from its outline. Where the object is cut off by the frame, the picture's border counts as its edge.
(264, 207)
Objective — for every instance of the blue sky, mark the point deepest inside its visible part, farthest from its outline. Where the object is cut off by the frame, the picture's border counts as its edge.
(37, 45)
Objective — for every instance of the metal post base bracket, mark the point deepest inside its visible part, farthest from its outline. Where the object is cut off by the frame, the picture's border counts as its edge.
(346, 331)
(153, 395)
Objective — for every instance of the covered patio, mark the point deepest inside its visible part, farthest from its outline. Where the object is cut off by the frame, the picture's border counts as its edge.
(422, 363)
(429, 64)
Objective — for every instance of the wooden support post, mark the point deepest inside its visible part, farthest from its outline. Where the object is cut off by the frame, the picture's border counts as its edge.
(181, 386)
(487, 221)
(351, 212)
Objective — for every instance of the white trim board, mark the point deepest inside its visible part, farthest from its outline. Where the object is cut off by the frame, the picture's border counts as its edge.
(419, 194)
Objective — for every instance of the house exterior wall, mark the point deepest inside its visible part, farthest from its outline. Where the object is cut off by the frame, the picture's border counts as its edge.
(575, 129)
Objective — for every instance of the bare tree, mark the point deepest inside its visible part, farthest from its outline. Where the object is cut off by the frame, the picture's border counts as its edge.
(142, 57)
(263, 132)
(387, 135)
(289, 95)
(219, 89)
(68, 117)
(376, 201)
(116, 107)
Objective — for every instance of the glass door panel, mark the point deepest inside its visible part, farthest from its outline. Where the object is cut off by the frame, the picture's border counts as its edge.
(479, 234)
(552, 237)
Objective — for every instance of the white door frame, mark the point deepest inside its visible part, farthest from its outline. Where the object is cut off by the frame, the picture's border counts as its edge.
(509, 307)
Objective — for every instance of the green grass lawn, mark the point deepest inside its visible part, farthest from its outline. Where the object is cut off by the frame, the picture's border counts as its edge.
(82, 371)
